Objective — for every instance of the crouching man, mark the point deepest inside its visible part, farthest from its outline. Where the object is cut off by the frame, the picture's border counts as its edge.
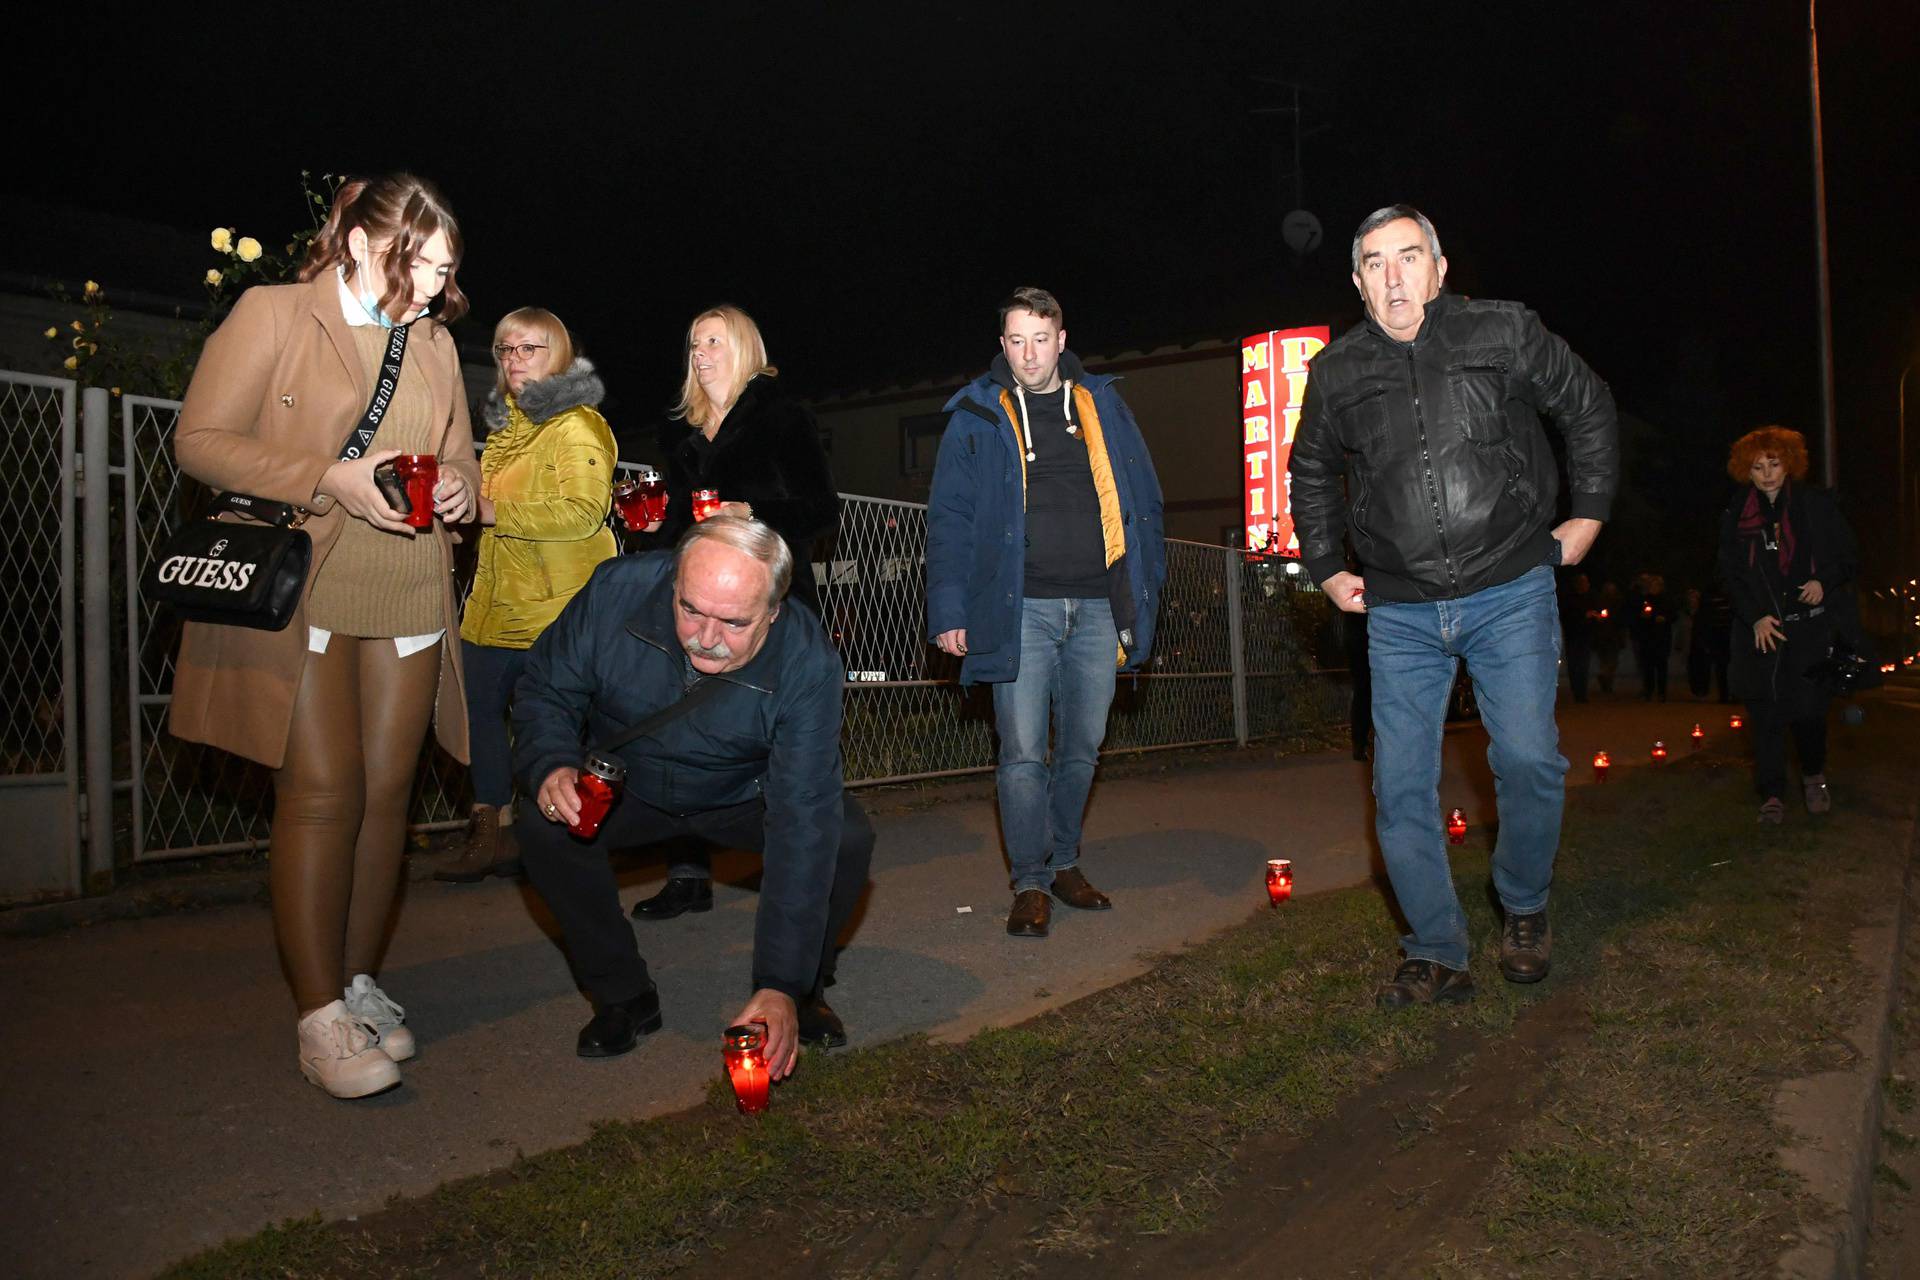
(739, 705)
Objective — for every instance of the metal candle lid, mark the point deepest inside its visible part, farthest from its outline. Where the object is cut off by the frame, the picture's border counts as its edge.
(612, 768)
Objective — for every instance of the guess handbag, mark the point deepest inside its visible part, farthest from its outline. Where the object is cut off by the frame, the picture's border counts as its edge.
(248, 569)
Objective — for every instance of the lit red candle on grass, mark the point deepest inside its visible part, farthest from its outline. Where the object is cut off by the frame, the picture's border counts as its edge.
(743, 1049)
(1279, 881)
(1659, 752)
(1456, 827)
(1699, 737)
(1601, 763)
(1736, 721)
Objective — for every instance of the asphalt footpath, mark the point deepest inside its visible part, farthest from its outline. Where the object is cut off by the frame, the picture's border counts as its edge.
(151, 1105)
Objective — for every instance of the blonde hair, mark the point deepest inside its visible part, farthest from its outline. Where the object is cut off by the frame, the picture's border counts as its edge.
(749, 362)
(543, 324)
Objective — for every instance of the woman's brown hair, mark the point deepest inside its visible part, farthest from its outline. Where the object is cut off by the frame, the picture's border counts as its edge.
(1778, 442)
(401, 213)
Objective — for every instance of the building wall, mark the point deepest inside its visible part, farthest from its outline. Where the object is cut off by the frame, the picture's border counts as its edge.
(1185, 399)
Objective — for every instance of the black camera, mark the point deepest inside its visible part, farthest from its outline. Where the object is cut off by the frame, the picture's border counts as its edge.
(393, 488)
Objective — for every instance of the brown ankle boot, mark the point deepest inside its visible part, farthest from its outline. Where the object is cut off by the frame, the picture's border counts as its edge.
(489, 850)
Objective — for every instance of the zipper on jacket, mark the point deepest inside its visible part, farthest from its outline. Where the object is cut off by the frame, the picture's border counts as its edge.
(1426, 461)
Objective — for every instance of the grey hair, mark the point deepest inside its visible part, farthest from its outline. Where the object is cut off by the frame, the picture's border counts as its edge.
(749, 537)
(1393, 213)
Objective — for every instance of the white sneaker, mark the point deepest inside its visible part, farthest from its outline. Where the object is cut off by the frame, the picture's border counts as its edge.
(367, 1003)
(341, 1056)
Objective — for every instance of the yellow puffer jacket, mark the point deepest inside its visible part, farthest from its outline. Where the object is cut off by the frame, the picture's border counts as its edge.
(548, 469)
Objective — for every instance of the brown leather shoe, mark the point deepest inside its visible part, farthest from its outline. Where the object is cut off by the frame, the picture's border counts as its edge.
(1032, 909)
(490, 850)
(1072, 888)
(1425, 982)
(1526, 947)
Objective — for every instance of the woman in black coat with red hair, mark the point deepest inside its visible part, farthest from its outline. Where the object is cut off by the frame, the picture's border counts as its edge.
(1788, 560)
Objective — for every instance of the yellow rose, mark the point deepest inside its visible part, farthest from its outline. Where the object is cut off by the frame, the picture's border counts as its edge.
(213, 275)
(52, 332)
(93, 287)
(248, 249)
(72, 362)
(222, 240)
(116, 391)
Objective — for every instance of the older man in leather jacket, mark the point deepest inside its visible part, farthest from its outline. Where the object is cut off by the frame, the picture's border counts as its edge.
(1430, 410)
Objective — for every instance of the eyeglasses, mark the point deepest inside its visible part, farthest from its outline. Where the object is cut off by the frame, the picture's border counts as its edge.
(525, 350)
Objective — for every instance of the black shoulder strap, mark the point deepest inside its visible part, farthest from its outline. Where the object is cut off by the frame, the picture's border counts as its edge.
(666, 715)
(357, 442)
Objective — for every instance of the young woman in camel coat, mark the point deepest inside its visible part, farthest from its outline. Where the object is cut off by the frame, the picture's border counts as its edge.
(338, 703)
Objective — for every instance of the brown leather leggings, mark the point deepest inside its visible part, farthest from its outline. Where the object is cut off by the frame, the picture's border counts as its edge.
(340, 808)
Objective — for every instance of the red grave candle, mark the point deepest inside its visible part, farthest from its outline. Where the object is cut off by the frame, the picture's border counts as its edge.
(598, 787)
(1699, 737)
(706, 503)
(1601, 763)
(1279, 880)
(1735, 721)
(743, 1049)
(420, 472)
(1659, 752)
(1456, 827)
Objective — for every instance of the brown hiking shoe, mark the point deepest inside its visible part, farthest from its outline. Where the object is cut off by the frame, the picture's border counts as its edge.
(489, 850)
(1032, 909)
(1425, 982)
(1526, 947)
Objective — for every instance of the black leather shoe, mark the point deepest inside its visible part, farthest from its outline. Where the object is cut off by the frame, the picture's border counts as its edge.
(820, 1025)
(677, 898)
(1526, 947)
(618, 1027)
(1072, 888)
(1032, 909)
(1425, 982)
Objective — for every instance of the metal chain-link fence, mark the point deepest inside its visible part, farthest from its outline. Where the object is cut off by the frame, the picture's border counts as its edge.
(1234, 661)
(37, 440)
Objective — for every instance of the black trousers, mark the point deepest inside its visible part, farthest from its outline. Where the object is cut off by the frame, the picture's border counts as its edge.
(1770, 727)
(1579, 659)
(576, 879)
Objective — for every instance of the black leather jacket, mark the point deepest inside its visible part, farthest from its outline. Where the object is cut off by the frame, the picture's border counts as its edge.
(1451, 484)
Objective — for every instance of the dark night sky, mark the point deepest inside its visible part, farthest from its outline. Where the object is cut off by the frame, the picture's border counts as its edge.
(868, 180)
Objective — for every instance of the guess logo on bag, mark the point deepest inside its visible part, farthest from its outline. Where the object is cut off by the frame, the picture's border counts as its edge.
(206, 571)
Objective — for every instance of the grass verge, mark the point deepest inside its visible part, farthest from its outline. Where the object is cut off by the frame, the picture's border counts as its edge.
(1715, 970)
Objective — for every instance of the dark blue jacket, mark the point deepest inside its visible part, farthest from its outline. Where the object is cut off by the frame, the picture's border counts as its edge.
(611, 659)
(977, 521)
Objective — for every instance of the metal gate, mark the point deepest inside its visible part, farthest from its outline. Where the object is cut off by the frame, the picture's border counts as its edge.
(40, 779)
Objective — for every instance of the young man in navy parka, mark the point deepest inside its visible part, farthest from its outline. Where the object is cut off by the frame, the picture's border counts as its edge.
(1045, 558)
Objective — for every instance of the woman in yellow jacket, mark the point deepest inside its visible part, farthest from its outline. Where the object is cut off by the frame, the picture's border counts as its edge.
(546, 483)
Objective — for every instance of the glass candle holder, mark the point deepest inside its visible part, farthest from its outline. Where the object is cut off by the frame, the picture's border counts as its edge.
(743, 1050)
(640, 498)
(1279, 880)
(1699, 737)
(706, 503)
(1601, 763)
(1456, 827)
(1659, 752)
(420, 472)
(601, 777)
(1736, 721)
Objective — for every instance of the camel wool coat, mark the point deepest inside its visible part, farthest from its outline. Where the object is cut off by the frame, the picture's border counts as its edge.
(276, 391)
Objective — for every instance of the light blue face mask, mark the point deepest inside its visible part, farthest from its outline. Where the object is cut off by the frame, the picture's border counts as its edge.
(365, 296)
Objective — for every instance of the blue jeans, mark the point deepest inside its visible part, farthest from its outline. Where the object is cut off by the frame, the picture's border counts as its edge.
(1068, 655)
(1509, 636)
(490, 673)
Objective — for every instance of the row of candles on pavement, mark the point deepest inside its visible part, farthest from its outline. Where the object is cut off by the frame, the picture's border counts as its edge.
(1280, 870)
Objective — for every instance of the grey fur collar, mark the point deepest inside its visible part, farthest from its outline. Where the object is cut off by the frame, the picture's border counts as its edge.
(551, 396)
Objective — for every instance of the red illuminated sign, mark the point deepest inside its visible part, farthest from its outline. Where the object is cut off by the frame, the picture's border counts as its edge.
(1273, 384)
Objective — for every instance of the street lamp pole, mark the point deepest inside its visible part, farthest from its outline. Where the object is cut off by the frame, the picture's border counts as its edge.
(1829, 452)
